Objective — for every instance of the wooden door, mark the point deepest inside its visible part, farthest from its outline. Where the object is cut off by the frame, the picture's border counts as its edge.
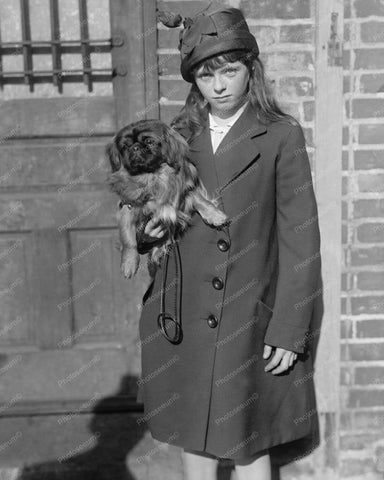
(69, 343)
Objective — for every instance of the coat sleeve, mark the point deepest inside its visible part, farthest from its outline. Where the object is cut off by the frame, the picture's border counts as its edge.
(298, 235)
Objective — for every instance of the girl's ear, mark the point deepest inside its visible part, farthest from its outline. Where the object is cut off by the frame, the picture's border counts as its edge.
(175, 148)
(113, 156)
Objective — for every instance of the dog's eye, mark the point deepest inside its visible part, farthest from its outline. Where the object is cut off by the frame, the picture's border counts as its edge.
(149, 141)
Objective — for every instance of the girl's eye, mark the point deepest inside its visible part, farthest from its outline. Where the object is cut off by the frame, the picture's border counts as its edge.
(230, 70)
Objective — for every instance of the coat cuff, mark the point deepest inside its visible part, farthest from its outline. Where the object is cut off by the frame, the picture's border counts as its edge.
(285, 335)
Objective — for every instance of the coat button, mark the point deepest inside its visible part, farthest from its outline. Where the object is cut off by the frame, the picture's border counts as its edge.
(212, 321)
(223, 245)
(217, 283)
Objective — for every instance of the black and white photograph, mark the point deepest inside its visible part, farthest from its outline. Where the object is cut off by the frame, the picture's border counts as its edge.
(191, 240)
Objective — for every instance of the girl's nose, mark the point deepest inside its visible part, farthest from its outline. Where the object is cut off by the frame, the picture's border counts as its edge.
(218, 84)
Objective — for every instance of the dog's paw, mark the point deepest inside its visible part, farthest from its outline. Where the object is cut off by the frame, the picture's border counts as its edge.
(218, 218)
(130, 262)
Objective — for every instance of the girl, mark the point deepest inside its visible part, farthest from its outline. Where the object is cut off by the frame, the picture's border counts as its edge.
(239, 384)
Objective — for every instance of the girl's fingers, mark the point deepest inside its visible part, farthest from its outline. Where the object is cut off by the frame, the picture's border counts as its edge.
(275, 360)
(281, 361)
(284, 365)
(153, 229)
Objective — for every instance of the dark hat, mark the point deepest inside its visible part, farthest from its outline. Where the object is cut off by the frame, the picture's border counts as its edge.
(209, 34)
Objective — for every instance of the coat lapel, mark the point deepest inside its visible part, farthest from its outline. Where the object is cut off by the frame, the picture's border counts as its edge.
(236, 154)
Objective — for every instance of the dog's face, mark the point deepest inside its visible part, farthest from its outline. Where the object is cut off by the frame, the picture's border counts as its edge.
(143, 146)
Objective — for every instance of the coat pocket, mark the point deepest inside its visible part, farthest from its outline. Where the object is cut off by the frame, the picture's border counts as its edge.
(263, 315)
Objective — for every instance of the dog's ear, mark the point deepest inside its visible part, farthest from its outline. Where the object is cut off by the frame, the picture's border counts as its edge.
(114, 156)
(176, 148)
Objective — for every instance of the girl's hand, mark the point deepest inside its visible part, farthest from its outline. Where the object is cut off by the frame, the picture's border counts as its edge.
(282, 359)
(153, 229)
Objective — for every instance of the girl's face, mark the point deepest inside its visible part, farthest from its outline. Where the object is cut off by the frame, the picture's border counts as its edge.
(225, 88)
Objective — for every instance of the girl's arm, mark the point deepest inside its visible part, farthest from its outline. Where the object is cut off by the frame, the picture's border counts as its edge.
(298, 245)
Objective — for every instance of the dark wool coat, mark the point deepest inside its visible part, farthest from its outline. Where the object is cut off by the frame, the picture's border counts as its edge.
(251, 283)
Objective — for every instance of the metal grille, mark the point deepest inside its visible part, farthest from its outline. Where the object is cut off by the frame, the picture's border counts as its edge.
(84, 46)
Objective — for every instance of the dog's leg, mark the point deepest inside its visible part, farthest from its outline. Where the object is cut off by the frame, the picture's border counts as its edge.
(206, 208)
(130, 259)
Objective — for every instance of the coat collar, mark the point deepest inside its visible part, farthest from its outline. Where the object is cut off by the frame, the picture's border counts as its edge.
(237, 152)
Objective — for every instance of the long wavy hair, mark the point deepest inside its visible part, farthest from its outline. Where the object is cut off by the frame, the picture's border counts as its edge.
(195, 111)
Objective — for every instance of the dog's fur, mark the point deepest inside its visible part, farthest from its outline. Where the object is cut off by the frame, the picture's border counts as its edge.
(153, 177)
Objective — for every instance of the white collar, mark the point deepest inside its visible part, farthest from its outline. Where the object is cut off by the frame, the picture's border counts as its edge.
(229, 121)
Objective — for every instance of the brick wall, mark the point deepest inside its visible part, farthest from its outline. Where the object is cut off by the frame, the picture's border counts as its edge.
(362, 349)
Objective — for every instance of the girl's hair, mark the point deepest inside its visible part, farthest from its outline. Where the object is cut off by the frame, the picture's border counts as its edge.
(196, 108)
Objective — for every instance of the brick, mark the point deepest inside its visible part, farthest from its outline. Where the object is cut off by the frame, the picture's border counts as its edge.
(346, 83)
(370, 280)
(368, 208)
(368, 108)
(168, 38)
(345, 160)
(346, 329)
(346, 59)
(367, 256)
(343, 304)
(367, 159)
(308, 133)
(185, 8)
(265, 36)
(370, 329)
(372, 32)
(371, 183)
(345, 281)
(369, 58)
(365, 8)
(368, 420)
(296, 86)
(367, 305)
(347, 32)
(346, 420)
(345, 135)
(371, 134)
(371, 232)
(347, 108)
(369, 375)
(174, 89)
(288, 61)
(345, 376)
(345, 185)
(356, 467)
(276, 8)
(344, 353)
(347, 8)
(309, 111)
(291, 107)
(344, 234)
(168, 112)
(168, 64)
(297, 34)
(372, 83)
(366, 352)
(366, 398)
(344, 210)
(358, 441)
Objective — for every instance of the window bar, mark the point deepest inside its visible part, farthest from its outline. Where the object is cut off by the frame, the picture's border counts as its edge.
(55, 36)
(26, 36)
(84, 35)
